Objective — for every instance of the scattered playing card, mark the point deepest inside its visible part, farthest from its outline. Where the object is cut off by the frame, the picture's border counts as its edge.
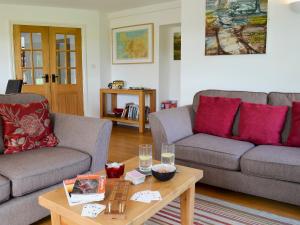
(146, 196)
(92, 210)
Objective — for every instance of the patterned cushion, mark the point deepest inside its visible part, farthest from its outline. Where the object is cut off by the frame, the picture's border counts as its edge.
(26, 126)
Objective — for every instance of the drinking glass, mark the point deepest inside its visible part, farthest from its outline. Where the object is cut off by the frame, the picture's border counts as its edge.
(145, 157)
(168, 154)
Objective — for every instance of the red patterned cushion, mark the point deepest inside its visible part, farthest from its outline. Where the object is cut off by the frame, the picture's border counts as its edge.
(215, 115)
(294, 137)
(26, 126)
(261, 124)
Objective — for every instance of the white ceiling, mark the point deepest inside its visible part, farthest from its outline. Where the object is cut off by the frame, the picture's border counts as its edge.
(102, 5)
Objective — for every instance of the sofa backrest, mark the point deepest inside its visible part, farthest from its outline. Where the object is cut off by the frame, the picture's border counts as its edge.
(277, 98)
(17, 99)
(246, 96)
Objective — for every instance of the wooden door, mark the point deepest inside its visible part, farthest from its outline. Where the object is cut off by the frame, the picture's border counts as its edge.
(66, 70)
(31, 47)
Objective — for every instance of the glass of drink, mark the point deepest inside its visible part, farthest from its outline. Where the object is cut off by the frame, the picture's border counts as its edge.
(145, 157)
(168, 154)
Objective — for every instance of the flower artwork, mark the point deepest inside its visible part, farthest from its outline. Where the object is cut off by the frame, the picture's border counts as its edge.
(235, 27)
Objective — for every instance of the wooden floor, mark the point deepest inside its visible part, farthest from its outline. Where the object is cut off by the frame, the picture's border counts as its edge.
(124, 145)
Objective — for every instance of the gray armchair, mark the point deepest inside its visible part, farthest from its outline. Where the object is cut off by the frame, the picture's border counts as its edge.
(83, 147)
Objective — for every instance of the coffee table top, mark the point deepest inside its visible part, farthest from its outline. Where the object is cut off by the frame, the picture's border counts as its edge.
(136, 212)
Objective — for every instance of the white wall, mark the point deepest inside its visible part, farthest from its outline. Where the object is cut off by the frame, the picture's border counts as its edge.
(169, 69)
(278, 70)
(146, 75)
(89, 21)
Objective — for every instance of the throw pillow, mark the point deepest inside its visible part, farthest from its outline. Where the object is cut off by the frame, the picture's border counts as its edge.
(215, 115)
(26, 126)
(261, 124)
(294, 136)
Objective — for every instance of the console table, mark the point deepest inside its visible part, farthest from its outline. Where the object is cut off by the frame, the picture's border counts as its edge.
(140, 93)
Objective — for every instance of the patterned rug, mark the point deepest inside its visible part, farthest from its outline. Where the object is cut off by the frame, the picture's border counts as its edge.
(211, 211)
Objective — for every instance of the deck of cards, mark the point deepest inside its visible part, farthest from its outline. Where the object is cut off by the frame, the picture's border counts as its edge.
(135, 177)
(92, 210)
(146, 196)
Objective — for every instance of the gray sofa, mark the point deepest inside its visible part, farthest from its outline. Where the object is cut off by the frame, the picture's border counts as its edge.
(83, 147)
(268, 171)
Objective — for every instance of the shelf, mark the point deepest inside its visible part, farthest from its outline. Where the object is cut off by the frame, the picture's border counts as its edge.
(121, 120)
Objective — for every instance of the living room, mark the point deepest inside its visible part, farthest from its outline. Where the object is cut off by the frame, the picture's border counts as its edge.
(69, 52)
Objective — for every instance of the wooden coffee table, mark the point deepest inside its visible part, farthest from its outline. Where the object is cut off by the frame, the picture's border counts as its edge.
(182, 185)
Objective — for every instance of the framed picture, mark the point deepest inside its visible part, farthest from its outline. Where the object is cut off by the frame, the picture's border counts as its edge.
(177, 46)
(236, 27)
(133, 44)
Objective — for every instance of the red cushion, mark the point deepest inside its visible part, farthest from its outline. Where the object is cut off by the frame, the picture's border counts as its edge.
(261, 124)
(294, 136)
(215, 115)
(26, 126)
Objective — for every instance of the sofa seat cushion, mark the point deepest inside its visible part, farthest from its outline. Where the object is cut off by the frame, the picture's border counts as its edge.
(275, 162)
(34, 170)
(211, 150)
(4, 189)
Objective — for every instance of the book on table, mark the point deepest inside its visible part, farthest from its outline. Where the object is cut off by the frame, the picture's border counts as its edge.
(85, 189)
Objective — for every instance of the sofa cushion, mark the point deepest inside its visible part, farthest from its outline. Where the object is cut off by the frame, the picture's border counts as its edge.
(4, 189)
(254, 97)
(275, 162)
(26, 126)
(34, 170)
(261, 124)
(215, 115)
(211, 150)
(294, 136)
(22, 98)
(277, 98)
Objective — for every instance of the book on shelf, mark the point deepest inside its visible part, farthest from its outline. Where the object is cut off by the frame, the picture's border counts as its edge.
(131, 111)
(84, 189)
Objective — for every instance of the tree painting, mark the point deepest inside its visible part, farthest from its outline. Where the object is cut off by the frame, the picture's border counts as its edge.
(235, 27)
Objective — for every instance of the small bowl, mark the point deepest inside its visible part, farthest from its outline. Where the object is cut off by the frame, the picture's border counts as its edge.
(114, 171)
(163, 172)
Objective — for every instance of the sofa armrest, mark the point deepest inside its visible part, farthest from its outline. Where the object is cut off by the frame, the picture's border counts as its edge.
(89, 135)
(169, 126)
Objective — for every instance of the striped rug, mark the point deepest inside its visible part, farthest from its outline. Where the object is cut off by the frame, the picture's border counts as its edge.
(211, 211)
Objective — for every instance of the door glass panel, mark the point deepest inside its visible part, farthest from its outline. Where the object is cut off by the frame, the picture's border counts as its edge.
(25, 40)
(38, 59)
(60, 41)
(38, 76)
(27, 77)
(72, 76)
(36, 40)
(62, 79)
(60, 59)
(70, 42)
(71, 59)
(26, 59)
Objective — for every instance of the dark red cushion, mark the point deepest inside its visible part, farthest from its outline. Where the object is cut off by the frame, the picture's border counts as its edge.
(261, 124)
(294, 136)
(26, 126)
(215, 115)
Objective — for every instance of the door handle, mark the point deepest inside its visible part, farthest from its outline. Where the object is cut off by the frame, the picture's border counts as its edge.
(53, 77)
(46, 77)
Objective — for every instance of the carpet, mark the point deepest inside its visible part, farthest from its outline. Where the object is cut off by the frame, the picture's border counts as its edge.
(211, 211)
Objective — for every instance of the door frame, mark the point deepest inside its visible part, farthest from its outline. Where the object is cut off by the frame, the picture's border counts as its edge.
(83, 52)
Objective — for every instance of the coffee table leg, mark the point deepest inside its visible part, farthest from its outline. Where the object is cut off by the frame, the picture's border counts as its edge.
(55, 219)
(187, 200)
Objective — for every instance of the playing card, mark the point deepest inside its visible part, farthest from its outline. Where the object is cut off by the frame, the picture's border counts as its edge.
(92, 210)
(146, 196)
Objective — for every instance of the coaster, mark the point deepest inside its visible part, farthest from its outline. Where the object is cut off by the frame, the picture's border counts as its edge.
(145, 173)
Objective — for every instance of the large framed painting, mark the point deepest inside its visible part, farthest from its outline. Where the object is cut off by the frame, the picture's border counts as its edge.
(133, 44)
(235, 27)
